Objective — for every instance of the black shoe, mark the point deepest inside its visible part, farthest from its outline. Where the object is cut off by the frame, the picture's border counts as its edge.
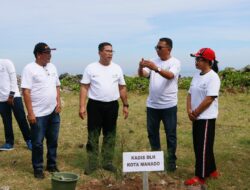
(52, 169)
(171, 167)
(110, 167)
(39, 174)
(89, 170)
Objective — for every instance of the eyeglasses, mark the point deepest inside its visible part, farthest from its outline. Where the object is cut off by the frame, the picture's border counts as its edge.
(198, 59)
(109, 51)
(159, 48)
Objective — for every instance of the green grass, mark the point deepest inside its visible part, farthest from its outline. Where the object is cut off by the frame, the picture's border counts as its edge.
(232, 145)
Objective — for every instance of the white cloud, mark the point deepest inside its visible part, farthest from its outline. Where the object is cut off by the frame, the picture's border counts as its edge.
(77, 26)
(91, 17)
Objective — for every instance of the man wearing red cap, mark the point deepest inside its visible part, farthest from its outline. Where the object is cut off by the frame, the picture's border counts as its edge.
(41, 90)
(202, 109)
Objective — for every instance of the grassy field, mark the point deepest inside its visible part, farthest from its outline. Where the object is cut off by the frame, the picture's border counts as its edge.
(232, 147)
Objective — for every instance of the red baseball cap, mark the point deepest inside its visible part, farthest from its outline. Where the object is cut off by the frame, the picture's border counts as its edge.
(205, 53)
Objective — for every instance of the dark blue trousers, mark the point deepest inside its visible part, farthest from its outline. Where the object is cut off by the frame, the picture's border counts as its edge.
(18, 110)
(45, 127)
(169, 118)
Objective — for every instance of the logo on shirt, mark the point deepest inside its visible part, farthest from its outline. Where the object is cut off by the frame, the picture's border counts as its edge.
(94, 76)
(1, 69)
(203, 86)
(115, 76)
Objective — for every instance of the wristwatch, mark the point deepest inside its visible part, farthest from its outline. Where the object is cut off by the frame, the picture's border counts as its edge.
(126, 105)
(12, 94)
(158, 70)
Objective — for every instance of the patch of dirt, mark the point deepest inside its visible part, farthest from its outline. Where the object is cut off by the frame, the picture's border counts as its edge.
(135, 183)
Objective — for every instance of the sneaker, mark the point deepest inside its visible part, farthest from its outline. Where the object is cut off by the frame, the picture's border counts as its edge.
(215, 174)
(29, 144)
(110, 167)
(7, 147)
(52, 169)
(195, 181)
(39, 174)
(89, 170)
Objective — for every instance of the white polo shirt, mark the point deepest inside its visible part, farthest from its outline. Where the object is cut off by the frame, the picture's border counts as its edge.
(42, 81)
(162, 91)
(202, 86)
(104, 81)
(8, 80)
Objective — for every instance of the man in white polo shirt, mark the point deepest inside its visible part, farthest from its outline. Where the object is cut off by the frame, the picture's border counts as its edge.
(103, 82)
(162, 100)
(10, 99)
(41, 90)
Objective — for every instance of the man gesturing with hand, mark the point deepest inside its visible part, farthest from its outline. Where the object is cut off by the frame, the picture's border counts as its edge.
(163, 73)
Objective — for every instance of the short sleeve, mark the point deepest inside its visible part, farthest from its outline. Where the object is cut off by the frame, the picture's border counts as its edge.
(58, 83)
(213, 86)
(26, 78)
(121, 78)
(175, 68)
(189, 90)
(148, 71)
(86, 76)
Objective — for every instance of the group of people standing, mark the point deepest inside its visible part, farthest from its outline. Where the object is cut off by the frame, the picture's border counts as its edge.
(103, 84)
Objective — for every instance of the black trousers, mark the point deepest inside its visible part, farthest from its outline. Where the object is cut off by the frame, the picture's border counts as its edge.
(203, 141)
(102, 116)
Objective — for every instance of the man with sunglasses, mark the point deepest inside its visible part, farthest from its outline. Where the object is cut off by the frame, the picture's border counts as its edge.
(41, 90)
(163, 73)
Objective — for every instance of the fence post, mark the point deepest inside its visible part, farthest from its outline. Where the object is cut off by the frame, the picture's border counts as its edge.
(145, 181)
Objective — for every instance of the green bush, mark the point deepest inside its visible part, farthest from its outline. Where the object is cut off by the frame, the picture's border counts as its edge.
(137, 84)
(71, 83)
(184, 83)
(234, 79)
(230, 79)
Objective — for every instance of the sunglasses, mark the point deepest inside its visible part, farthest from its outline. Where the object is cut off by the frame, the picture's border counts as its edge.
(46, 52)
(198, 59)
(159, 48)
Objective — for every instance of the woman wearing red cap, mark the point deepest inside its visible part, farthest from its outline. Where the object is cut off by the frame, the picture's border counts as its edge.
(202, 109)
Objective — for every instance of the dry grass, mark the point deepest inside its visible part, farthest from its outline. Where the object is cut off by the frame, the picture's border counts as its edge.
(232, 146)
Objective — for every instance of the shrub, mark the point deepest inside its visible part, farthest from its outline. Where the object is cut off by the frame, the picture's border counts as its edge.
(71, 83)
(234, 79)
(230, 79)
(137, 84)
(184, 83)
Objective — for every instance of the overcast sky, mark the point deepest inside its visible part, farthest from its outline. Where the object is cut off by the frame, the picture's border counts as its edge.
(76, 28)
